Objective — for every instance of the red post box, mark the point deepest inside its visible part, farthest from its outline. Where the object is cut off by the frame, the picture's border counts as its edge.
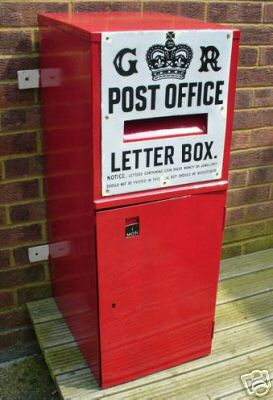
(137, 117)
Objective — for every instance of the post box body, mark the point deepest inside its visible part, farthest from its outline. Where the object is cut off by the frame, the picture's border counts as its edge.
(137, 118)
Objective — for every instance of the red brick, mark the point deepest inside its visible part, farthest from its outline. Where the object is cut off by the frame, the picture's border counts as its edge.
(260, 175)
(251, 158)
(27, 212)
(234, 12)
(266, 56)
(4, 259)
(20, 255)
(14, 319)
(11, 192)
(232, 250)
(240, 140)
(17, 144)
(126, 5)
(27, 166)
(10, 95)
(107, 6)
(259, 211)
(3, 219)
(244, 98)
(10, 66)
(237, 179)
(259, 76)
(262, 137)
(246, 231)
(235, 216)
(6, 299)
(185, 8)
(21, 276)
(20, 235)
(268, 13)
(258, 244)
(240, 197)
(169, 7)
(263, 97)
(259, 35)
(21, 119)
(192, 9)
(25, 14)
(14, 42)
(253, 119)
(248, 56)
(92, 6)
(32, 293)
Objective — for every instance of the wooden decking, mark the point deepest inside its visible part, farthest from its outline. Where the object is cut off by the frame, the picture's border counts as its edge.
(243, 341)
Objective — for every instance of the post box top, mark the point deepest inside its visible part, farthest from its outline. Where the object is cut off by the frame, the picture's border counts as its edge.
(89, 24)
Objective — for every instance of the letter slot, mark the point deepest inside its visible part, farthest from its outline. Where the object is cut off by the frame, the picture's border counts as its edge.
(165, 127)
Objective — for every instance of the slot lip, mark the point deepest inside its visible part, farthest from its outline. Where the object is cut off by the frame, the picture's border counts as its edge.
(157, 128)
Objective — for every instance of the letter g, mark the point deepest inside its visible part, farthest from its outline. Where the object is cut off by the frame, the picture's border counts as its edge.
(132, 63)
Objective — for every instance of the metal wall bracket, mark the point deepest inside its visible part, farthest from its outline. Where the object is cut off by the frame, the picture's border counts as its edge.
(38, 253)
(57, 250)
(28, 79)
(35, 78)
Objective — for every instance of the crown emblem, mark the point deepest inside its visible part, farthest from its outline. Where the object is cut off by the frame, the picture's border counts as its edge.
(170, 60)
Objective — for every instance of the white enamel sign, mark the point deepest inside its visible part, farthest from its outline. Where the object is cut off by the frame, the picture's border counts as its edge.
(164, 108)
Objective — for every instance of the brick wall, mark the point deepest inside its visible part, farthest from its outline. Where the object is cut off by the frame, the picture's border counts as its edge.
(22, 211)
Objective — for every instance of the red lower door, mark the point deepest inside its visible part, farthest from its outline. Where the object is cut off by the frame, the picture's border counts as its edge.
(158, 266)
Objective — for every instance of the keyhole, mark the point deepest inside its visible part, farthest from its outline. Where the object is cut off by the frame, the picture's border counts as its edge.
(113, 305)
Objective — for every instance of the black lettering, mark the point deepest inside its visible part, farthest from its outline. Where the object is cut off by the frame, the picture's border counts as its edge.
(125, 160)
(148, 154)
(157, 156)
(170, 95)
(118, 62)
(181, 94)
(141, 106)
(136, 153)
(208, 150)
(114, 98)
(186, 152)
(192, 93)
(208, 100)
(169, 152)
(198, 151)
(218, 92)
(113, 163)
(127, 99)
(153, 89)
(199, 94)
(210, 55)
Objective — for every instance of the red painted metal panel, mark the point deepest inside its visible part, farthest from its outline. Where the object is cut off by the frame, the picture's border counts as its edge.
(69, 186)
(87, 25)
(158, 289)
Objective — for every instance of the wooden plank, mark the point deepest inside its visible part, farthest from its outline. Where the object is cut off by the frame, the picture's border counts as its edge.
(53, 333)
(243, 311)
(239, 341)
(213, 382)
(64, 358)
(246, 264)
(43, 310)
(229, 315)
(245, 285)
(241, 395)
